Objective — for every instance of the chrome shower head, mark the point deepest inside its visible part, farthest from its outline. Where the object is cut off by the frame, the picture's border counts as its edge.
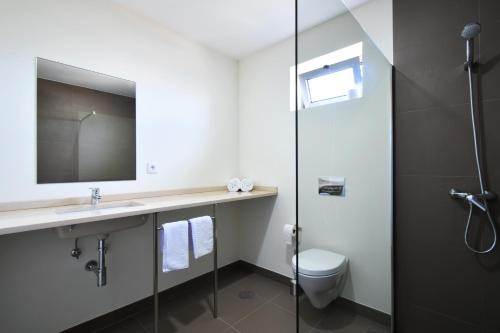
(471, 30)
(93, 113)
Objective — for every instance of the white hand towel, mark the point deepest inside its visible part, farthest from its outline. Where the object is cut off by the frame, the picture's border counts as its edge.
(234, 185)
(175, 246)
(246, 185)
(203, 235)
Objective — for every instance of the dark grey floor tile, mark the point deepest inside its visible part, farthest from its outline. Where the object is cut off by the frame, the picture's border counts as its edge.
(130, 325)
(268, 319)
(276, 313)
(286, 301)
(309, 316)
(338, 321)
(233, 276)
(348, 322)
(230, 330)
(205, 324)
(183, 318)
(262, 285)
(233, 308)
(344, 321)
(165, 324)
(178, 314)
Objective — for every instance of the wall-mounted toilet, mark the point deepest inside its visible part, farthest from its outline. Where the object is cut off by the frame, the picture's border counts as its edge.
(321, 275)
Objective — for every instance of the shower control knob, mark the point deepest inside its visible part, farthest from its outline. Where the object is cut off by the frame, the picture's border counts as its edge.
(91, 266)
(76, 252)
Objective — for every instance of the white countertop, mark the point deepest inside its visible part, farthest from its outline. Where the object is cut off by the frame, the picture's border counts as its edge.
(20, 220)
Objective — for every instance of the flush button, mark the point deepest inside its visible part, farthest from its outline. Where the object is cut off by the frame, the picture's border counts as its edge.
(331, 185)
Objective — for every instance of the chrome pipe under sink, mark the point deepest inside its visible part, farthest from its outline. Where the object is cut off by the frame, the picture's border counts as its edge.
(99, 267)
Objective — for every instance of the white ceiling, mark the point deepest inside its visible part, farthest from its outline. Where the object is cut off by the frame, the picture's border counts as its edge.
(56, 71)
(237, 27)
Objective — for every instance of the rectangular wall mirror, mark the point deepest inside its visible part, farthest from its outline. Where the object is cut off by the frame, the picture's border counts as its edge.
(85, 125)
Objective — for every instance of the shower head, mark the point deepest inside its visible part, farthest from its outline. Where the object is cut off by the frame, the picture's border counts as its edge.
(93, 113)
(471, 30)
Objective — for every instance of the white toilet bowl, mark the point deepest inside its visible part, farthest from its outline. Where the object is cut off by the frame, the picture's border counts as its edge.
(321, 275)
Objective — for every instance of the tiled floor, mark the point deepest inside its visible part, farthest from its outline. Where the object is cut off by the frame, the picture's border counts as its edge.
(269, 309)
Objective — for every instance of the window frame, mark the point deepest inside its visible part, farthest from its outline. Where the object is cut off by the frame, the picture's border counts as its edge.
(354, 63)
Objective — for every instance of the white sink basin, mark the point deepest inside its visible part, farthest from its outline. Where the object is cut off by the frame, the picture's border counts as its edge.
(100, 207)
(99, 227)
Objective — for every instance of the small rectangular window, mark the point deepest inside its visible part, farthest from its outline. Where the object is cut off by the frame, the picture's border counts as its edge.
(330, 85)
(339, 79)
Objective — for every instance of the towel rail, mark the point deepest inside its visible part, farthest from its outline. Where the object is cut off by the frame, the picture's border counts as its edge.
(156, 228)
(161, 227)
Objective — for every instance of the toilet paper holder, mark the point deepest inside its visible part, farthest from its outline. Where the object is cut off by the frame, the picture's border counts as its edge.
(290, 232)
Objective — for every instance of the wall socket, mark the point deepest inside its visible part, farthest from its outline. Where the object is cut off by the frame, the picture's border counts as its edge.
(151, 168)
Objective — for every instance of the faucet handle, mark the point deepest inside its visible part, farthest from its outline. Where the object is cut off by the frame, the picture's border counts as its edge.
(96, 192)
(454, 193)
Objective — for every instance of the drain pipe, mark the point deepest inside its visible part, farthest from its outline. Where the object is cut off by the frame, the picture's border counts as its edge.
(99, 267)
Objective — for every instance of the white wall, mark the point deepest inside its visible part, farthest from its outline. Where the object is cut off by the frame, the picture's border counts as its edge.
(375, 17)
(267, 150)
(186, 122)
(177, 99)
(350, 139)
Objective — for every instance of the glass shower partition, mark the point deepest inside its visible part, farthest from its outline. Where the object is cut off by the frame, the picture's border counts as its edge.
(343, 106)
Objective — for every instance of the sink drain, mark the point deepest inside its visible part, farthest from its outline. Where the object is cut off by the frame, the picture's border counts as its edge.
(246, 294)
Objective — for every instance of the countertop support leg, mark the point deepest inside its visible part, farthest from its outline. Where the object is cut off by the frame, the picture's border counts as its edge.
(216, 286)
(155, 270)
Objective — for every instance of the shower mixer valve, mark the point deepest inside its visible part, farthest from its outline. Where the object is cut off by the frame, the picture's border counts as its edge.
(473, 199)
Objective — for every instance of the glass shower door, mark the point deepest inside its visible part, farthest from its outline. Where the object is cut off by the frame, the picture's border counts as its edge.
(344, 117)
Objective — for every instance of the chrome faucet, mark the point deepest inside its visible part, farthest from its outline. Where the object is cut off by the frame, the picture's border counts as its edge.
(96, 196)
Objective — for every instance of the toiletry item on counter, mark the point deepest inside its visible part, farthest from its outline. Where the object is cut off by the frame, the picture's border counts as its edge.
(202, 233)
(246, 185)
(234, 185)
(175, 247)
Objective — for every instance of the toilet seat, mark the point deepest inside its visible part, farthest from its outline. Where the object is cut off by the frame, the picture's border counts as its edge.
(316, 262)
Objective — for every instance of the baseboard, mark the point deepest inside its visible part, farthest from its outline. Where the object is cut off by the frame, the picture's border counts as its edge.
(363, 310)
(264, 271)
(181, 289)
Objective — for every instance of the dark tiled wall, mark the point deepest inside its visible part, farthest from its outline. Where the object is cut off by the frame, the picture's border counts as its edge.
(440, 285)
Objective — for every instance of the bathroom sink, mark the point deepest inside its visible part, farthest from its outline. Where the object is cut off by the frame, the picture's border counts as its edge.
(97, 208)
(99, 228)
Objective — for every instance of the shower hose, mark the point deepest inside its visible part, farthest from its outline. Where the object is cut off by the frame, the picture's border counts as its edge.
(480, 174)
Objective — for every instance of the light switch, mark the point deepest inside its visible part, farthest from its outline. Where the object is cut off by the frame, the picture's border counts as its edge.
(151, 168)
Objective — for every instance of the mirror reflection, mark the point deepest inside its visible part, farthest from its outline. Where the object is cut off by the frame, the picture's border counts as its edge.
(85, 125)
